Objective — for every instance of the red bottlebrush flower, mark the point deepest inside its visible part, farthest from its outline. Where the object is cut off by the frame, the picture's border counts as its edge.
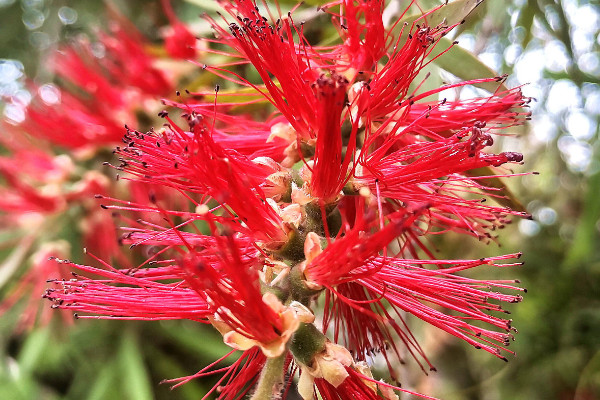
(329, 173)
(128, 62)
(428, 173)
(144, 297)
(498, 112)
(237, 380)
(192, 161)
(412, 288)
(112, 86)
(179, 41)
(336, 193)
(34, 282)
(78, 65)
(242, 133)
(344, 259)
(72, 122)
(271, 51)
(32, 176)
(232, 288)
(360, 25)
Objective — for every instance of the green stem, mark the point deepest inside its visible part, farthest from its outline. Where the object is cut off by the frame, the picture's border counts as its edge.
(270, 382)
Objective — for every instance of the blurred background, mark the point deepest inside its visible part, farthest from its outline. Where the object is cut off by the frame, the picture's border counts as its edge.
(552, 47)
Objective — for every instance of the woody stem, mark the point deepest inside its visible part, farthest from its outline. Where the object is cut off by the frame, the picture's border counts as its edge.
(270, 382)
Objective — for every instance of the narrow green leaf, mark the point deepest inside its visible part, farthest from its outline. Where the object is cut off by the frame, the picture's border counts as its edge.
(458, 61)
(15, 259)
(450, 14)
(509, 199)
(205, 341)
(465, 65)
(103, 387)
(525, 20)
(22, 389)
(33, 350)
(238, 95)
(136, 382)
(586, 236)
(168, 367)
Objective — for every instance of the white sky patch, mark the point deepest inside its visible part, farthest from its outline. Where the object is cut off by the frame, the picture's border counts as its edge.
(544, 128)
(580, 126)
(528, 227)
(563, 95)
(577, 155)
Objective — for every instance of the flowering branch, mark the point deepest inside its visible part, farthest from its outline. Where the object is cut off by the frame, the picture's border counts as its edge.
(270, 383)
(335, 196)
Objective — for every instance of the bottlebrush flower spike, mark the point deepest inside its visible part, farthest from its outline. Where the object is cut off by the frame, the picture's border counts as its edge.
(329, 172)
(242, 133)
(192, 161)
(500, 111)
(272, 51)
(31, 285)
(111, 87)
(121, 294)
(179, 41)
(335, 195)
(360, 25)
(128, 62)
(88, 124)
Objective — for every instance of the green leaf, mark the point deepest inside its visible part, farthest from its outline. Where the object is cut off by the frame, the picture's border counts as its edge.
(586, 235)
(12, 263)
(33, 350)
(526, 21)
(23, 389)
(104, 386)
(456, 60)
(209, 345)
(136, 382)
(465, 65)
(509, 199)
(167, 367)
(449, 14)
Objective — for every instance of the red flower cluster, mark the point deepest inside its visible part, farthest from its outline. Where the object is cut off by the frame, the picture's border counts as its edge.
(333, 198)
(45, 179)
